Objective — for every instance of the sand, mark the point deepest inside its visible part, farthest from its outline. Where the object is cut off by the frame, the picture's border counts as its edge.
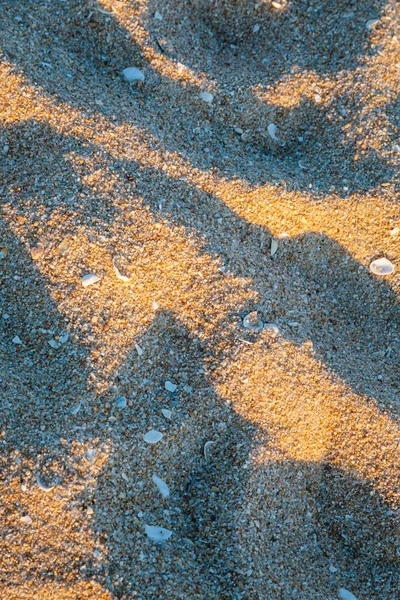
(298, 496)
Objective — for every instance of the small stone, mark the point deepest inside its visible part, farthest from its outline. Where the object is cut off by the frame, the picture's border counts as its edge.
(158, 16)
(37, 253)
(207, 97)
(153, 436)
(395, 231)
(121, 402)
(132, 74)
(252, 321)
(332, 569)
(256, 28)
(17, 340)
(381, 267)
(371, 24)
(346, 595)
(90, 279)
(276, 5)
(170, 387)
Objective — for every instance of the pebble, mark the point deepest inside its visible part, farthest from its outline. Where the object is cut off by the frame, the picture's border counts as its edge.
(161, 486)
(381, 266)
(132, 74)
(170, 387)
(346, 595)
(157, 534)
(17, 340)
(121, 402)
(89, 279)
(37, 253)
(158, 16)
(256, 28)
(332, 569)
(207, 97)
(167, 413)
(252, 321)
(152, 436)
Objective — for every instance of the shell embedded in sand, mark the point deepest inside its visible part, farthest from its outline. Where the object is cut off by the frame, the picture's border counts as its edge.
(167, 413)
(346, 595)
(90, 279)
(132, 74)
(382, 267)
(161, 486)
(207, 97)
(253, 321)
(274, 247)
(152, 436)
(118, 273)
(157, 534)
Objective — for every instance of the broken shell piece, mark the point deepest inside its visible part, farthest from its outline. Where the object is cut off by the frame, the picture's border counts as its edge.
(206, 97)
(206, 446)
(45, 488)
(157, 534)
(138, 350)
(272, 130)
(276, 5)
(272, 328)
(132, 74)
(252, 321)
(121, 402)
(167, 413)
(119, 274)
(64, 338)
(274, 247)
(53, 344)
(26, 520)
(89, 279)
(161, 486)
(371, 24)
(346, 595)
(37, 253)
(158, 16)
(75, 409)
(153, 436)
(170, 387)
(381, 266)
(17, 340)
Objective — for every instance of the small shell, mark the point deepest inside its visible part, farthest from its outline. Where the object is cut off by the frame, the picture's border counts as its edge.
(206, 446)
(119, 274)
(138, 350)
(256, 28)
(274, 246)
(253, 321)
(276, 5)
(332, 569)
(121, 402)
(272, 328)
(381, 266)
(103, 11)
(206, 97)
(371, 24)
(89, 279)
(153, 436)
(158, 16)
(345, 595)
(157, 534)
(27, 520)
(45, 488)
(167, 413)
(272, 130)
(37, 253)
(161, 486)
(17, 340)
(170, 387)
(132, 74)
(395, 231)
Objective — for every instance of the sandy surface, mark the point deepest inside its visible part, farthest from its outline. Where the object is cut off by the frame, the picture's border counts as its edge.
(299, 495)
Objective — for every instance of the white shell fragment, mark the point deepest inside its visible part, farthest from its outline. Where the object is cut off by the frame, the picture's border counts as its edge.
(253, 321)
(89, 279)
(45, 488)
(152, 436)
(371, 24)
(27, 520)
(138, 349)
(382, 267)
(121, 402)
(17, 340)
(272, 328)
(274, 246)
(256, 28)
(272, 129)
(161, 486)
(157, 534)
(75, 409)
(119, 274)
(132, 74)
(53, 344)
(276, 5)
(167, 413)
(345, 595)
(158, 16)
(206, 446)
(206, 97)
(170, 387)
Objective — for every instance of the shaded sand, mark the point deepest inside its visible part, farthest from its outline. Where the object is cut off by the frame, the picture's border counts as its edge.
(299, 495)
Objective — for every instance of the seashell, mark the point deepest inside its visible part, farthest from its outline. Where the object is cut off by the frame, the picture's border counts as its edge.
(332, 569)
(119, 274)
(395, 231)
(158, 16)
(53, 344)
(17, 340)
(26, 520)
(276, 5)
(256, 28)
(76, 409)
(206, 97)
(37, 253)
(167, 413)
(64, 338)
(274, 246)
(45, 488)
(103, 11)
(302, 165)
(382, 267)
(132, 74)
(170, 387)
(121, 402)
(89, 279)
(161, 485)
(371, 24)
(157, 534)
(272, 328)
(345, 595)
(252, 321)
(272, 129)
(206, 446)
(138, 350)
(152, 436)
